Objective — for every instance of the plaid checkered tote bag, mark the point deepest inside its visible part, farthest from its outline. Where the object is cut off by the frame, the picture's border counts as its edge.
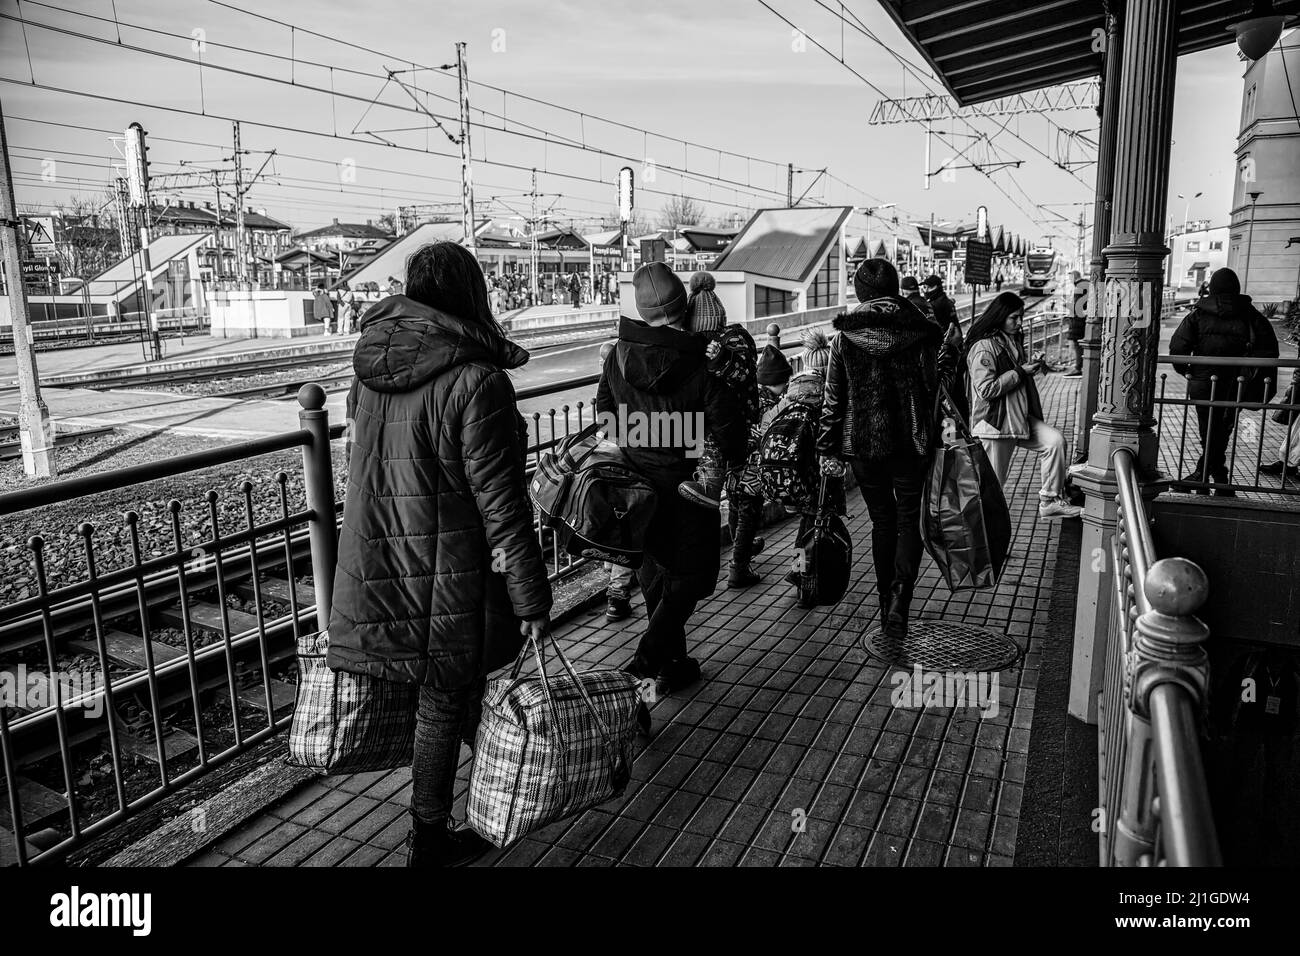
(549, 747)
(348, 723)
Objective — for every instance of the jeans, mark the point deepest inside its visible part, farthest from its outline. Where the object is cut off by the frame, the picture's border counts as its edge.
(442, 720)
(744, 517)
(620, 581)
(891, 488)
(1044, 439)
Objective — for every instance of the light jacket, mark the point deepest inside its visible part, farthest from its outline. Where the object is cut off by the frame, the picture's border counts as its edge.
(1002, 397)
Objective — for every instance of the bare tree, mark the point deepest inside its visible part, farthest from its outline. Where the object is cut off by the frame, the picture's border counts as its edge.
(86, 238)
(680, 211)
(387, 222)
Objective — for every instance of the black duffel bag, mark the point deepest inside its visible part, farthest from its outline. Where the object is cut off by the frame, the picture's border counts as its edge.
(598, 505)
(825, 555)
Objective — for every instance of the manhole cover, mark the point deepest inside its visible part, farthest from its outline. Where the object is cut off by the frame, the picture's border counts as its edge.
(943, 646)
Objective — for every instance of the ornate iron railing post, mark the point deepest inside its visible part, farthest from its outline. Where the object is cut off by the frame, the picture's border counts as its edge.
(1168, 652)
(318, 479)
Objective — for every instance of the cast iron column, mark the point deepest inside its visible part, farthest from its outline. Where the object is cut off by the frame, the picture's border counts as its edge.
(1091, 344)
(1130, 330)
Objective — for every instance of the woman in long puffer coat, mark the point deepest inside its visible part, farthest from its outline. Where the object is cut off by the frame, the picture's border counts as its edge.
(440, 575)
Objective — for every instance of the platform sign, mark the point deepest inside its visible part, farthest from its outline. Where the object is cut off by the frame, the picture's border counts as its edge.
(979, 262)
(653, 250)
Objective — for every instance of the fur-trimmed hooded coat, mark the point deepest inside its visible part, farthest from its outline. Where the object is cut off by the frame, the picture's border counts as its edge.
(885, 369)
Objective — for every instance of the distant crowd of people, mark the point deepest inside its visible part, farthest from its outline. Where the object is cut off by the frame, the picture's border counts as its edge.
(514, 290)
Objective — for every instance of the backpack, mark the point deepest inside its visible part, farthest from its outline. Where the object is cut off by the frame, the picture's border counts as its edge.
(596, 503)
(787, 456)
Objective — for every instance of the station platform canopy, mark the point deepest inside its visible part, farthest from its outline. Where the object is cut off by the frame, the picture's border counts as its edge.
(981, 50)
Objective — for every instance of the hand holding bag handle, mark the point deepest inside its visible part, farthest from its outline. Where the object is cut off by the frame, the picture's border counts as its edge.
(616, 770)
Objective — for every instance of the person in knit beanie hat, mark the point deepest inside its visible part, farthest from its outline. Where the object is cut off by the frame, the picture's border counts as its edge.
(774, 369)
(816, 350)
(703, 307)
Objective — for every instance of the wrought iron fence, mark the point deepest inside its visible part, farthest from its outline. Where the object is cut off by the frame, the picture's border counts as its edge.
(232, 605)
(1155, 806)
(1261, 454)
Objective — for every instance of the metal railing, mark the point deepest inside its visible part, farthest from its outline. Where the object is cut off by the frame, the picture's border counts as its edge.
(191, 705)
(1154, 800)
(1248, 444)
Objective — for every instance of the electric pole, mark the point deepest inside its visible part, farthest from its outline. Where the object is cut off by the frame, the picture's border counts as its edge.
(137, 180)
(34, 431)
(466, 175)
(532, 237)
(789, 185)
(219, 246)
(241, 271)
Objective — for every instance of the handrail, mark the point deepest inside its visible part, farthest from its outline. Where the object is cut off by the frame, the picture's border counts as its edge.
(1229, 361)
(1187, 822)
(1154, 797)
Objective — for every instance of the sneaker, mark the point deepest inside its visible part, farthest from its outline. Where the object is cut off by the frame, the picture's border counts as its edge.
(1073, 373)
(696, 493)
(1058, 508)
(1195, 478)
(618, 609)
(1273, 468)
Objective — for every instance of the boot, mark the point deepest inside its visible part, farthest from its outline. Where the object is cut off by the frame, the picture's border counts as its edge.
(896, 615)
(706, 488)
(742, 549)
(437, 844)
(678, 675)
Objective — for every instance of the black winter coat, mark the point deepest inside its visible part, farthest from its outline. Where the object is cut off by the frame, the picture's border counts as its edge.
(657, 369)
(883, 377)
(438, 559)
(1226, 325)
(944, 310)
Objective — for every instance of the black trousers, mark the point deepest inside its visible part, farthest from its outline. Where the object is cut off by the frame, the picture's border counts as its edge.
(1215, 426)
(891, 488)
(679, 569)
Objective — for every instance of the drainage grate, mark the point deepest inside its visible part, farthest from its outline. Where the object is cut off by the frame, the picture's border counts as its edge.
(943, 646)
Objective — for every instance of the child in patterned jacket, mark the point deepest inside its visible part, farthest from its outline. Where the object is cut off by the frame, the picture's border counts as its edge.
(732, 358)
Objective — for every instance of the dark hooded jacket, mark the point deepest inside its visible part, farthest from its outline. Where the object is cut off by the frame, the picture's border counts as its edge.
(438, 558)
(1226, 324)
(942, 308)
(657, 369)
(885, 369)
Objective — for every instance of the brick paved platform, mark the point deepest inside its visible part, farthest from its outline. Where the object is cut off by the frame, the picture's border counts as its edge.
(788, 752)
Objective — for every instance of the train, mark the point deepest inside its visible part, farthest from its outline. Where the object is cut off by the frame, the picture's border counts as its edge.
(1040, 270)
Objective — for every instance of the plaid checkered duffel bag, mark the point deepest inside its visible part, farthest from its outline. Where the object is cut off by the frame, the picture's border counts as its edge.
(549, 747)
(348, 723)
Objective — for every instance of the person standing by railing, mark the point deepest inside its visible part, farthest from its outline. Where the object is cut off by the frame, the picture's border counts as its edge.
(1006, 412)
(440, 575)
(1223, 323)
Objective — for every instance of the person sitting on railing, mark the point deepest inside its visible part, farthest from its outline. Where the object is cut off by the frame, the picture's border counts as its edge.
(440, 574)
(1288, 453)
(1223, 324)
(1005, 410)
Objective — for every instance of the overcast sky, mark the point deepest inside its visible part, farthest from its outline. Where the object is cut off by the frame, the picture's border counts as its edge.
(722, 74)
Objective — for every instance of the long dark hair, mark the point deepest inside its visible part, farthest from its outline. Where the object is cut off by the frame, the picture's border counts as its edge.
(993, 317)
(446, 277)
